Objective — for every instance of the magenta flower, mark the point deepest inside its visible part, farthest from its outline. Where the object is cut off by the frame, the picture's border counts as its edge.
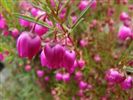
(124, 33)
(43, 59)
(83, 43)
(83, 4)
(1, 57)
(59, 76)
(82, 85)
(63, 13)
(78, 76)
(94, 4)
(97, 58)
(74, 19)
(40, 73)
(127, 83)
(113, 76)
(27, 45)
(66, 77)
(124, 16)
(2, 23)
(15, 33)
(34, 12)
(69, 59)
(40, 30)
(54, 55)
(24, 22)
(27, 68)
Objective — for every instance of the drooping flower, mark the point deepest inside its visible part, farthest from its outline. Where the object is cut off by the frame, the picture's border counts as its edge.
(43, 59)
(124, 33)
(15, 32)
(83, 4)
(127, 83)
(69, 59)
(82, 85)
(54, 55)
(24, 22)
(124, 16)
(66, 77)
(40, 30)
(34, 12)
(2, 23)
(27, 45)
(113, 76)
(40, 73)
(59, 76)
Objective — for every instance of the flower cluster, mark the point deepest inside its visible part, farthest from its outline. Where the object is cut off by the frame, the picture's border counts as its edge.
(113, 77)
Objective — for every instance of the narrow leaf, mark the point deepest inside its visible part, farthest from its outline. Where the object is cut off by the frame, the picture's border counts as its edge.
(128, 69)
(32, 19)
(82, 14)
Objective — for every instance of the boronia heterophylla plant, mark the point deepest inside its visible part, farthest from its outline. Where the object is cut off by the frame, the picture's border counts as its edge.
(82, 44)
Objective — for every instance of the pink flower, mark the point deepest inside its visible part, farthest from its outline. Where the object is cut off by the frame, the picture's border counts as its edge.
(54, 55)
(24, 22)
(40, 30)
(81, 63)
(82, 85)
(40, 73)
(69, 59)
(27, 45)
(66, 77)
(15, 32)
(83, 4)
(52, 2)
(1, 57)
(2, 23)
(124, 16)
(46, 78)
(34, 12)
(83, 43)
(63, 13)
(127, 83)
(25, 5)
(74, 19)
(78, 75)
(59, 76)
(27, 68)
(97, 58)
(94, 4)
(113, 76)
(43, 59)
(124, 33)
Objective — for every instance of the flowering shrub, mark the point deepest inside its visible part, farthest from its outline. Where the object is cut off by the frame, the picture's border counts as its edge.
(71, 49)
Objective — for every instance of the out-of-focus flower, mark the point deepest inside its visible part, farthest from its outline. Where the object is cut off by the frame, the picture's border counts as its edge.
(24, 22)
(40, 73)
(124, 33)
(127, 83)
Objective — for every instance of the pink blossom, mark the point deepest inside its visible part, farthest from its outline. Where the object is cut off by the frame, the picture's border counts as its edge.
(27, 45)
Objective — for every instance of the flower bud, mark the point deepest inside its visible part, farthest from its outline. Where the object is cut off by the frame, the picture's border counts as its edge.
(40, 73)
(27, 68)
(59, 76)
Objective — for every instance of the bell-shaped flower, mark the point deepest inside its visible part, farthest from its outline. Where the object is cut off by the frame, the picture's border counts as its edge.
(28, 45)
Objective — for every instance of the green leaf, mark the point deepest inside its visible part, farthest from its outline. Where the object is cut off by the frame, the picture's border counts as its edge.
(82, 14)
(128, 69)
(8, 5)
(74, 27)
(32, 19)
